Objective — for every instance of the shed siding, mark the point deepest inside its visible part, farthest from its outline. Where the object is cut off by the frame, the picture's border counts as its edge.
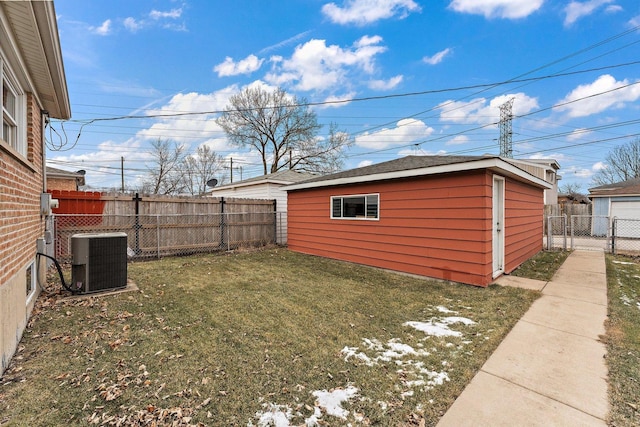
(524, 216)
(437, 226)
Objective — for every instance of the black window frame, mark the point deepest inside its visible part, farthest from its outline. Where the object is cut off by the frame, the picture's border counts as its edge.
(364, 207)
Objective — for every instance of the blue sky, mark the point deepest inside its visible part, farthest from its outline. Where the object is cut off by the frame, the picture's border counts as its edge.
(412, 77)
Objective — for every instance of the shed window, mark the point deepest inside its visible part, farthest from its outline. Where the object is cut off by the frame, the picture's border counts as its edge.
(355, 207)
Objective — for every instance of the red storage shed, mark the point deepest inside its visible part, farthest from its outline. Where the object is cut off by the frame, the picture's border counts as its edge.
(466, 219)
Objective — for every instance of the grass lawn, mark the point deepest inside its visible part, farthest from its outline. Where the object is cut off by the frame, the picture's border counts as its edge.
(623, 340)
(542, 266)
(256, 338)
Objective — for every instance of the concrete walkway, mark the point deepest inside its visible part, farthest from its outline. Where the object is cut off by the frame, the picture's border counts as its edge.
(550, 369)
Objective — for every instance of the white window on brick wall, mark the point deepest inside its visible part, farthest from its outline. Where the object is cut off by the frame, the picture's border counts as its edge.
(13, 112)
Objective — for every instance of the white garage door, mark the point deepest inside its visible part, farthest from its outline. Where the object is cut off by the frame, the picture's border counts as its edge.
(627, 210)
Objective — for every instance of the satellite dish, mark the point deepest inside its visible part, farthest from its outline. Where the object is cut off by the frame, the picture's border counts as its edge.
(212, 182)
(82, 172)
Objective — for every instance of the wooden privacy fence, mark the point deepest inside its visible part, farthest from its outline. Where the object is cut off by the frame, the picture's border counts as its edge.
(582, 222)
(163, 226)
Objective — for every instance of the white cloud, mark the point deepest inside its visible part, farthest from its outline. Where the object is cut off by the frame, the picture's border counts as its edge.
(598, 166)
(418, 151)
(614, 8)
(438, 57)
(172, 14)
(190, 128)
(509, 9)
(405, 132)
(362, 12)
(286, 42)
(316, 66)
(132, 24)
(364, 163)
(578, 134)
(477, 111)
(245, 66)
(337, 101)
(458, 140)
(576, 10)
(635, 21)
(386, 84)
(102, 30)
(597, 104)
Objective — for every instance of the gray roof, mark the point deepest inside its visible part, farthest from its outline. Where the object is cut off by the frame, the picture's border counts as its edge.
(401, 164)
(630, 186)
(412, 166)
(285, 177)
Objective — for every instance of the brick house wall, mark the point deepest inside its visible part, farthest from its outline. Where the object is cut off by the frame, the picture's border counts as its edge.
(21, 225)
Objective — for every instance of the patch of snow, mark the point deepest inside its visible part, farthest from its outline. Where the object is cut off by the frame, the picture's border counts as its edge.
(274, 415)
(383, 405)
(624, 262)
(625, 300)
(331, 401)
(314, 420)
(406, 394)
(350, 352)
(445, 310)
(441, 328)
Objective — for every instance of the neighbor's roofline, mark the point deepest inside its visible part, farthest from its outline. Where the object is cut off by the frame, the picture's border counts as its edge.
(249, 184)
(493, 163)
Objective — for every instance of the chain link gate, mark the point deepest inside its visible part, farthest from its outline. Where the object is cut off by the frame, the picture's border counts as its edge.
(556, 232)
(590, 232)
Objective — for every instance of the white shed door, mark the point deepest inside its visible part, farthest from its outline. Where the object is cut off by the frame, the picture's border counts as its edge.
(626, 210)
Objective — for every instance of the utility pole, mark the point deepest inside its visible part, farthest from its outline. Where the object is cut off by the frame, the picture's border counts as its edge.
(506, 133)
(122, 171)
(231, 168)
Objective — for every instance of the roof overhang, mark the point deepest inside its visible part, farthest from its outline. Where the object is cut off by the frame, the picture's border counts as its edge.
(31, 26)
(494, 164)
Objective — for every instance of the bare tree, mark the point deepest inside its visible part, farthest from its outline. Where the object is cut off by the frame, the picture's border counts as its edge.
(280, 127)
(164, 175)
(621, 164)
(321, 155)
(201, 167)
(571, 189)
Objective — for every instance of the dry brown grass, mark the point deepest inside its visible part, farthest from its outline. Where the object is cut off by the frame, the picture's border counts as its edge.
(228, 339)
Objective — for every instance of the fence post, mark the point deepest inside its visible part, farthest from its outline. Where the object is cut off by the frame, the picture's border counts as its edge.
(136, 225)
(222, 222)
(549, 234)
(275, 222)
(614, 220)
(158, 234)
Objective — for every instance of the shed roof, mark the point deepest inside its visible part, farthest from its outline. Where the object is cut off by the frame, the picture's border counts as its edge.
(414, 166)
(284, 177)
(628, 187)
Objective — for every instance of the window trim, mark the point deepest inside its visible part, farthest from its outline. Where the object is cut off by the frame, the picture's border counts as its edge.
(18, 120)
(31, 273)
(356, 218)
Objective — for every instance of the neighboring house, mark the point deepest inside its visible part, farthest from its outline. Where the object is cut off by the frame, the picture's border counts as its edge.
(265, 187)
(620, 200)
(58, 179)
(546, 169)
(33, 89)
(466, 219)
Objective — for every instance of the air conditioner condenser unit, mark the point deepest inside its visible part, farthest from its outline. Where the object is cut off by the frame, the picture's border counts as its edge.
(99, 261)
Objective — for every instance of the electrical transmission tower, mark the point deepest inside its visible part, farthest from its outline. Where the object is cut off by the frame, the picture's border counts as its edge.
(506, 142)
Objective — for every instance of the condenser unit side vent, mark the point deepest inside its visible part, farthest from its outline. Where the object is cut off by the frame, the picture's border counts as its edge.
(99, 261)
